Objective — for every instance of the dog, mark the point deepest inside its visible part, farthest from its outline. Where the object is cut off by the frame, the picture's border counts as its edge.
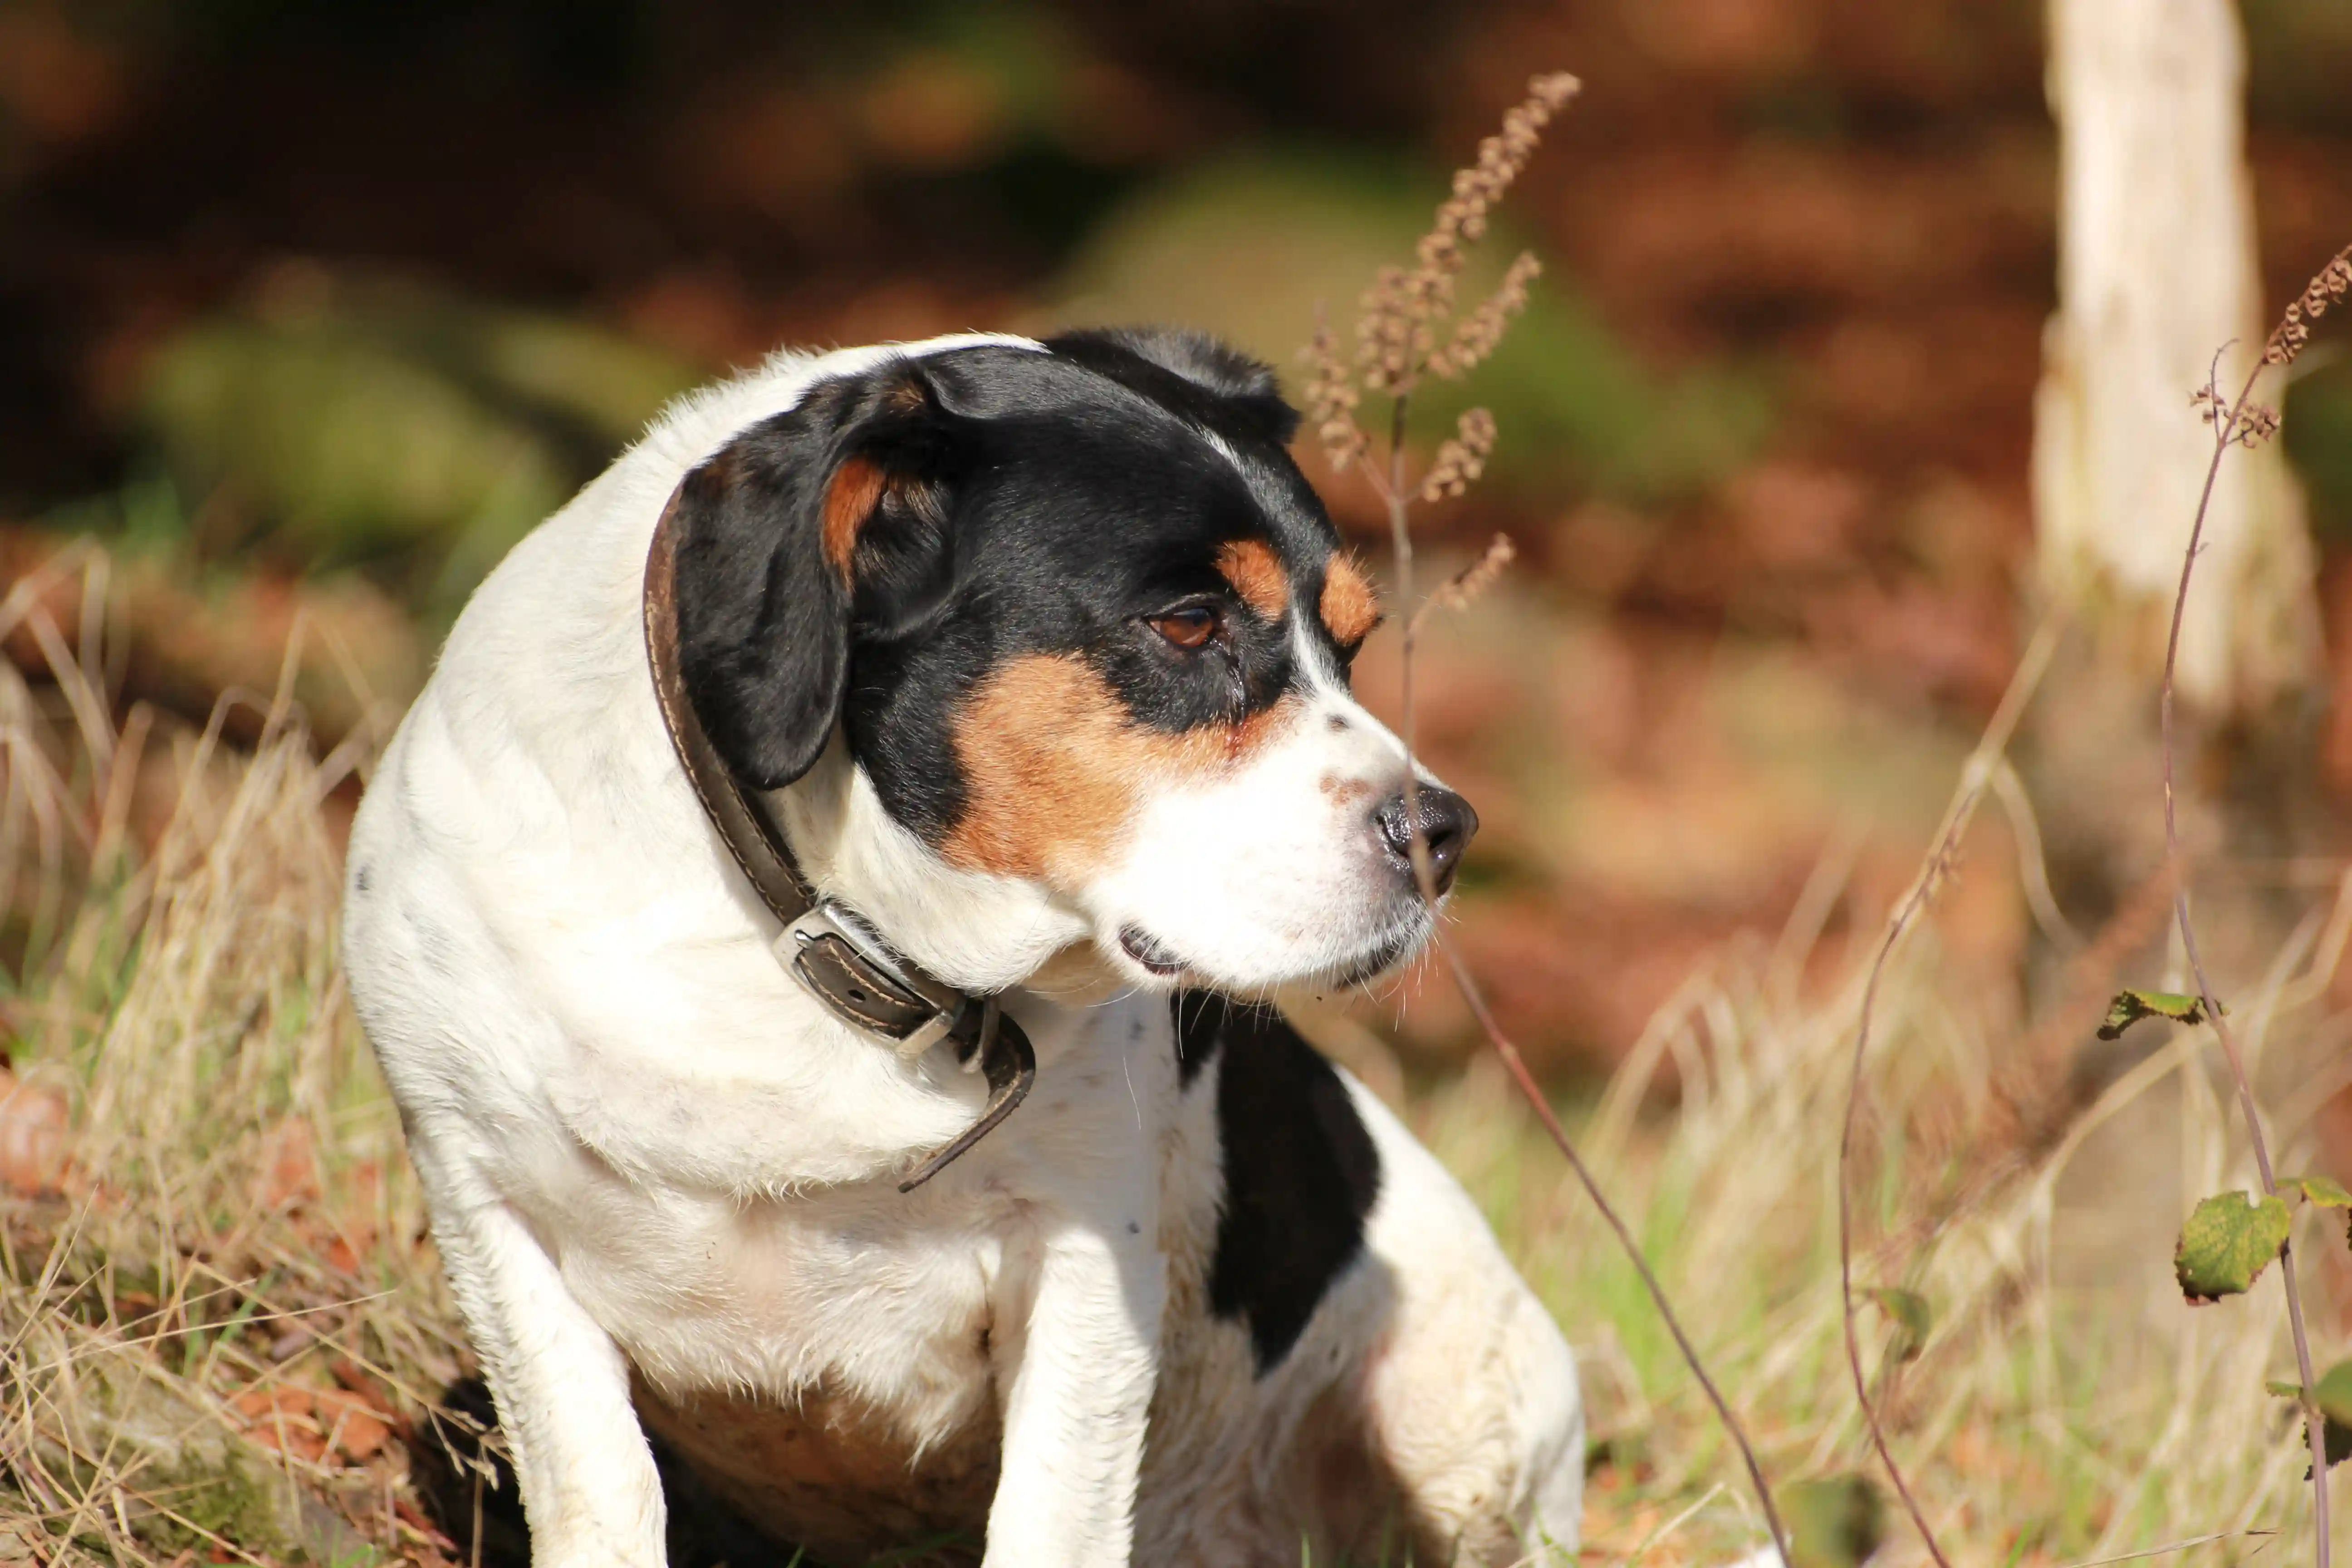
(1029, 661)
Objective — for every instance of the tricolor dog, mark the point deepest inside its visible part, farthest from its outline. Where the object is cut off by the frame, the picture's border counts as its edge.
(1021, 669)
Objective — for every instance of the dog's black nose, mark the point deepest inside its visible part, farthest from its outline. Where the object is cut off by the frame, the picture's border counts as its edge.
(1446, 824)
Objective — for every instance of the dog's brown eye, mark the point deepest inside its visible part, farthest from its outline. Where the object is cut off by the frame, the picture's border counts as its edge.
(1190, 627)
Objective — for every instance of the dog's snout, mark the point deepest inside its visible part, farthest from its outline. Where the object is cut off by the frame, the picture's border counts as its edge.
(1446, 825)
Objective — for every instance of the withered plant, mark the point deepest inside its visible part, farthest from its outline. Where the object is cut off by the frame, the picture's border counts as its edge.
(1410, 328)
(2228, 1239)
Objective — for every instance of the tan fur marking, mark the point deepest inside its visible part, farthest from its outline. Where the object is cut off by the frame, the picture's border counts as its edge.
(1055, 768)
(849, 500)
(1349, 606)
(827, 1470)
(1257, 574)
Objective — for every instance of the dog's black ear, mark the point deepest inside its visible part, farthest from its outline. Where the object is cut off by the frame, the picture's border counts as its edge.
(1245, 390)
(831, 512)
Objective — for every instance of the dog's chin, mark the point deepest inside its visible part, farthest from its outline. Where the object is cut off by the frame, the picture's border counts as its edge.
(1384, 958)
(1152, 962)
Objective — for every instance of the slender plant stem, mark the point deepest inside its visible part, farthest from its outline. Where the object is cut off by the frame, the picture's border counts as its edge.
(1975, 777)
(1400, 544)
(1400, 503)
(1939, 861)
(1533, 1093)
(2227, 429)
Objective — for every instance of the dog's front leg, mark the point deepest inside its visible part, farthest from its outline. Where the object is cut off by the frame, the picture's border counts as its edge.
(1081, 1390)
(590, 1491)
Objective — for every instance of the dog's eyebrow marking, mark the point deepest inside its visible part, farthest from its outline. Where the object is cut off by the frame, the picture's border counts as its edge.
(1349, 606)
(1055, 767)
(849, 500)
(1257, 574)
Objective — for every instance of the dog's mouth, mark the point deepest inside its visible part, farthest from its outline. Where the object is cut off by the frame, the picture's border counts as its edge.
(1156, 958)
(1149, 951)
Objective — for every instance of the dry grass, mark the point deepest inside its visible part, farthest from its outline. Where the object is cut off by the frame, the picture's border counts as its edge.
(227, 1282)
(215, 1298)
(2050, 1419)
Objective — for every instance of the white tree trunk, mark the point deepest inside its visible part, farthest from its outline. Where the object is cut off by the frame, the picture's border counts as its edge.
(2156, 272)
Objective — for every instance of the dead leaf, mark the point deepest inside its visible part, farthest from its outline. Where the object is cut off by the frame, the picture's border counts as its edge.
(352, 1428)
(289, 1164)
(281, 1418)
(34, 1142)
(356, 1380)
(261, 1404)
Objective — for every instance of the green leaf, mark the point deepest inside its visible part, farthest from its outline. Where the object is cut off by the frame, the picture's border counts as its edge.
(2227, 1243)
(2320, 1192)
(2131, 1006)
(2334, 1395)
(1912, 1316)
(1835, 1521)
(2335, 1392)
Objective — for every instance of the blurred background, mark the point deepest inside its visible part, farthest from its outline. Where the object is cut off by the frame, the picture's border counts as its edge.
(308, 311)
(317, 308)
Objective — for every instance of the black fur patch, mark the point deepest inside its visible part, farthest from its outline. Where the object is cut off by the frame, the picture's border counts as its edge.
(1301, 1171)
(1199, 1017)
(764, 619)
(1213, 383)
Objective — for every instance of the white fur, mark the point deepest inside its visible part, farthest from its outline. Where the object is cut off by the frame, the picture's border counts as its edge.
(647, 1149)
(1279, 873)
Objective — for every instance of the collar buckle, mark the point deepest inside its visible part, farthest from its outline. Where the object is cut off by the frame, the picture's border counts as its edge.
(838, 960)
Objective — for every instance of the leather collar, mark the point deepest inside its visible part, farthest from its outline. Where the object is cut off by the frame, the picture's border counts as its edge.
(839, 959)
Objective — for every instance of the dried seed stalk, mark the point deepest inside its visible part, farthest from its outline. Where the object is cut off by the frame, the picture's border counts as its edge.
(1395, 336)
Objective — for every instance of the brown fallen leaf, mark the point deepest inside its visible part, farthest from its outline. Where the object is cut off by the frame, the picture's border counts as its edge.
(352, 1428)
(35, 1141)
(281, 1418)
(260, 1403)
(358, 1381)
(289, 1164)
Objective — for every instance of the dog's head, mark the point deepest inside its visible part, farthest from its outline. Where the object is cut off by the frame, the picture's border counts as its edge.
(1057, 645)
